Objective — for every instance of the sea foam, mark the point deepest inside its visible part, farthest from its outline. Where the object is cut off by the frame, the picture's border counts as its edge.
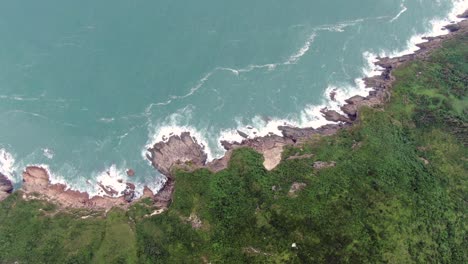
(8, 165)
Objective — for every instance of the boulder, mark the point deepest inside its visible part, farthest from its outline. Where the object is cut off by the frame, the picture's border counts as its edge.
(452, 27)
(130, 172)
(242, 134)
(334, 116)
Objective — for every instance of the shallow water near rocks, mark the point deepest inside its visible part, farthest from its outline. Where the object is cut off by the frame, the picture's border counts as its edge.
(86, 86)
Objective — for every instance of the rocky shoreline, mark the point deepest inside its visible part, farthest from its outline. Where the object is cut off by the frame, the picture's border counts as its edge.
(37, 185)
(185, 152)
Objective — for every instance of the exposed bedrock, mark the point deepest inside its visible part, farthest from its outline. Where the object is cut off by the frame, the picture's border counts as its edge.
(177, 150)
(5, 187)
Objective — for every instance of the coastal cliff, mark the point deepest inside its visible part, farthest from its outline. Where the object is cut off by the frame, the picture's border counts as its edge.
(184, 149)
(185, 152)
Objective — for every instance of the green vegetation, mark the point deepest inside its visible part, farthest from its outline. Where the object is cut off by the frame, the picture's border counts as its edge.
(398, 194)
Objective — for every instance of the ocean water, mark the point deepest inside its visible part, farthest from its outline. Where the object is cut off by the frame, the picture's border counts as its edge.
(86, 86)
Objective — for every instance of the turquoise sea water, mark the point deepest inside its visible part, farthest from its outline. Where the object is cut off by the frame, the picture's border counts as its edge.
(86, 85)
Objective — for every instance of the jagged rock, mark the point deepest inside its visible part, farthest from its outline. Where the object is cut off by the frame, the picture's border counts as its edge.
(130, 172)
(129, 192)
(35, 178)
(242, 134)
(177, 150)
(334, 116)
(164, 197)
(355, 99)
(355, 102)
(318, 165)
(464, 15)
(452, 27)
(107, 189)
(333, 95)
(295, 134)
(6, 188)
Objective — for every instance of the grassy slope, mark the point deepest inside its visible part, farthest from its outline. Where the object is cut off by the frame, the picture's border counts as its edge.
(380, 204)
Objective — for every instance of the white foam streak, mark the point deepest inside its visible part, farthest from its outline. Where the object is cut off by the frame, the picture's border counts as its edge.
(48, 153)
(403, 10)
(293, 59)
(435, 28)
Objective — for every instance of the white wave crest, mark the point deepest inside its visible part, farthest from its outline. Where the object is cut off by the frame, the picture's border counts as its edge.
(48, 153)
(7, 165)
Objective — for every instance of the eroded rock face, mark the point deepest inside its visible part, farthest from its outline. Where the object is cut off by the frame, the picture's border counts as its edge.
(271, 147)
(334, 116)
(354, 103)
(177, 150)
(6, 188)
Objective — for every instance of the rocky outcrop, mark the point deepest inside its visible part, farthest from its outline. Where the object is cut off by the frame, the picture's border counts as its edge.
(164, 197)
(242, 134)
(296, 134)
(177, 150)
(334, 116)
(129, 192)
(271, 147)
(464, 15)
(183, 150)
(5, 187)
(299, 135)
(452, 27)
